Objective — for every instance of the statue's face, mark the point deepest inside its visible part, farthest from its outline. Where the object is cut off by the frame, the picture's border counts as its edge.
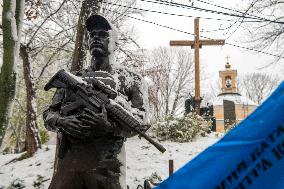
(98, 43)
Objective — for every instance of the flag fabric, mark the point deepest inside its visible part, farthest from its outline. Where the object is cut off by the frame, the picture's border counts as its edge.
(250, 156)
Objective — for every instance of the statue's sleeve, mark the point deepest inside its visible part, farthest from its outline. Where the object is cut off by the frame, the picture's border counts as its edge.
(51, 114)
(138, 103)
(137, 96)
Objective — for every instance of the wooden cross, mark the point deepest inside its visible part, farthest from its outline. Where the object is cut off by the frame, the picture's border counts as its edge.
(196, 44)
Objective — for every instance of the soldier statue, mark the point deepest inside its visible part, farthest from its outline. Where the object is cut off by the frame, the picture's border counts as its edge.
(91, 151)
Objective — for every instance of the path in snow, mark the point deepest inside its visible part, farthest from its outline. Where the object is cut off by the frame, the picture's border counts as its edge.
(142, 160)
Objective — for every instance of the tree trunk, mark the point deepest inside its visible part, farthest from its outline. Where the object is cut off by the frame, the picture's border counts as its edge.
(88, 7)
(79, 52)
(32, 135)
(11, 22)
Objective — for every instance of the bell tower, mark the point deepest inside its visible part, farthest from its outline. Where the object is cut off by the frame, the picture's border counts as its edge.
(228, 79)
(230, 107)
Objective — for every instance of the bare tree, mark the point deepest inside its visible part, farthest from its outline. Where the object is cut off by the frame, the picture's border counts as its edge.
(36, 40)
(32, 141)
(268, 33)
(170, 72)
(258, 86)
(12, 16)
(117, 13)
(49, 38)
(213, 90)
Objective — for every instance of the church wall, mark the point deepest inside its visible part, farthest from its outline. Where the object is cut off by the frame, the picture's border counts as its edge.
(220, 125)
(218, 112)
(242, 111)
(219, 115)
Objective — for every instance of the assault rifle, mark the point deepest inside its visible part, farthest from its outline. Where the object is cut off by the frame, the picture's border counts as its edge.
(96, 97)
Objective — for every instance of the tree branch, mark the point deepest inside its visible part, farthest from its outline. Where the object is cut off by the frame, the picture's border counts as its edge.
(50, 59)
(64, 1)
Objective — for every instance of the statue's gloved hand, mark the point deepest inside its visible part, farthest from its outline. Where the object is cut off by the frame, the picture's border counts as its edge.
(98, 121)
(71, 125)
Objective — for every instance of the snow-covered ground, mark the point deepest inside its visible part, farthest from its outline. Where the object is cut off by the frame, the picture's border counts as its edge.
(142, 160)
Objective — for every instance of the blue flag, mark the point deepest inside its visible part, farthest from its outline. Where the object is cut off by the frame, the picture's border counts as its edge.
(251, 156)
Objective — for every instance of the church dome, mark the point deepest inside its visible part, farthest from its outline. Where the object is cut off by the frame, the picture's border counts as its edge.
(234, 97)
(228, 65)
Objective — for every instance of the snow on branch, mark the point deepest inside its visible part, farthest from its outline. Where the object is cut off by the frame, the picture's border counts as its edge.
(45, 22)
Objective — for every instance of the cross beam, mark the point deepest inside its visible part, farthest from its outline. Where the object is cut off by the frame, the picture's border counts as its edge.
(202, 42)
(196, 44)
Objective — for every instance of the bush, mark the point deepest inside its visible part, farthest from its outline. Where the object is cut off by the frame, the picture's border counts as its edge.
(229, 126)
(44, 136)
(17, 184)
(38, 183)
(182, 129)
(152, 181)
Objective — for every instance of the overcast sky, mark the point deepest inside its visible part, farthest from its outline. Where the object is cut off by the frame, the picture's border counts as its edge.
(213, 57)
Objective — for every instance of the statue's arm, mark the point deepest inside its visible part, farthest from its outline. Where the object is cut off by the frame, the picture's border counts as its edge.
(137, 102)
(138, 108)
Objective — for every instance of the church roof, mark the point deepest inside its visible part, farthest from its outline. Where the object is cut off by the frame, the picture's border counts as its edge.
(235, 97)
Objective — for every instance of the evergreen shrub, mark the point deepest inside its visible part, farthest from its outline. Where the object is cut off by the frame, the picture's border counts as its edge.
(181, 129)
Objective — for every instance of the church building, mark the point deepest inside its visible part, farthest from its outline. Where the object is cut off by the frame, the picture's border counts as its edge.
(230, 107)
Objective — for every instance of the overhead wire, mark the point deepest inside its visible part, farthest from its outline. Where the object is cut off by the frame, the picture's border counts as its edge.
(219, 6)
(214, 11)
(181, 31)
(230, 9)
(231, 25)
(173, 14)
(215, 30)
(167, 13)
(182, 15)
(210, 10)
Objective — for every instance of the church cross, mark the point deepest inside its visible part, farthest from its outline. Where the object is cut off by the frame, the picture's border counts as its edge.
(196, 44)
(227, 57)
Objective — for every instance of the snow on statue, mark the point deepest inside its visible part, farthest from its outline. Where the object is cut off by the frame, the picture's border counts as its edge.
(91, 146)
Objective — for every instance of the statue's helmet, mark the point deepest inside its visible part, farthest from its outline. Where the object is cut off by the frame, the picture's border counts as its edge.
(98, 22)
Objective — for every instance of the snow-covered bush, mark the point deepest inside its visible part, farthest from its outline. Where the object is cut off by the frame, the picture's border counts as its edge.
(17, 184)
(38, 183)
(229, 126)
(181, 129)
(151, 181)
(154, 178)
